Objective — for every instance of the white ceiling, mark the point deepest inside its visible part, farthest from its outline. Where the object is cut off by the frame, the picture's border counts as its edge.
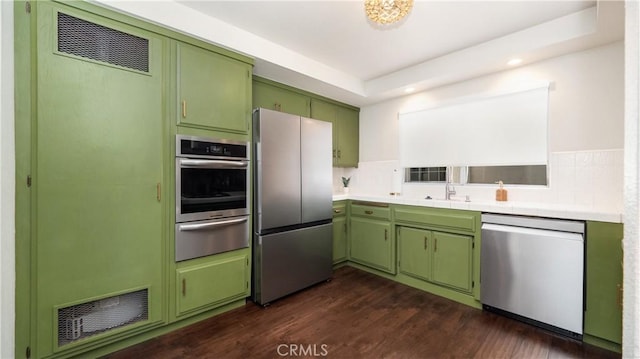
(330, 48)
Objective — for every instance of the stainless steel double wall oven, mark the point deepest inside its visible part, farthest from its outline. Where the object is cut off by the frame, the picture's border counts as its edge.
(212, 196)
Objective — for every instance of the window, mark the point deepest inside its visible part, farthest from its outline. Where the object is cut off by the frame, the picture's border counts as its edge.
(535, 175)
(426, 174)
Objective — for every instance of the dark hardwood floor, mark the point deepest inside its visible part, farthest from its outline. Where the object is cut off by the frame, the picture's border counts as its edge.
(360, 315)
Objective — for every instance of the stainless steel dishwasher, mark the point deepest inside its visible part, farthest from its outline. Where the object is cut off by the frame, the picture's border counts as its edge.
(532, 269)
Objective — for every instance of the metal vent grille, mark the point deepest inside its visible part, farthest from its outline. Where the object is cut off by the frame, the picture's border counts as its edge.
(88, 319)
(92, 41)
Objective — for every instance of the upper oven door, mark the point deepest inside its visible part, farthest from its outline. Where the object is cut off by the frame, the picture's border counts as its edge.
(208, 189)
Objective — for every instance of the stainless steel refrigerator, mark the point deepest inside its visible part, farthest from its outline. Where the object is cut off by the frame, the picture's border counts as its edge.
(292, 204)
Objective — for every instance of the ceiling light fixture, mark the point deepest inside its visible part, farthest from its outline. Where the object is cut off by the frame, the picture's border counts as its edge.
(386, 12)
(514, 62)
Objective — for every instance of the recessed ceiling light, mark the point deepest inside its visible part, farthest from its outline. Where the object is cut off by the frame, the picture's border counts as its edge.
(409, 89)
(514, 62)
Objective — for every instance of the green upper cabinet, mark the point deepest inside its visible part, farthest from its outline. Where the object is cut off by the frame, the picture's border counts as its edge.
(345, 131)
(347, 138)
(99, 142)
(272, 97)
(603, 314)
(214, 91)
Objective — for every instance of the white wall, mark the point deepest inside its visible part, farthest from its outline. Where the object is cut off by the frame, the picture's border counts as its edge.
(586, 131)
(586, 103)
(7, 183)
(631, 243)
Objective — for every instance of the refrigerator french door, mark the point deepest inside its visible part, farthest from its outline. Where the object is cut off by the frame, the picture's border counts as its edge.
(293, 203)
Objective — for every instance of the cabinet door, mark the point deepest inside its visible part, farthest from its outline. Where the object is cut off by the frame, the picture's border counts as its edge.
(371, 244)
(215, 283)
(603, 315)
(339, 239)
(325, 111)
(99, 144)
(348, 137)
(414, 247)
(279, 99)
(213, 90)
(452, 260)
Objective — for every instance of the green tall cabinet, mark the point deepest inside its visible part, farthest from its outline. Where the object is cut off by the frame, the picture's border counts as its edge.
(213, 90)
(603, 284)
(98, 180)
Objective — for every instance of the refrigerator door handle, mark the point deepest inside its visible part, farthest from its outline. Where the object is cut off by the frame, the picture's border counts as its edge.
(201, 226)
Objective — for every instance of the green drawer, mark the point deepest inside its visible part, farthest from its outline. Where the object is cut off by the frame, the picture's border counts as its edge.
(339, 209)
(438, 217)
(371, 210)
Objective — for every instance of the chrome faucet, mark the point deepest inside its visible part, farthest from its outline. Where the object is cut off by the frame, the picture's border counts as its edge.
(449, 191)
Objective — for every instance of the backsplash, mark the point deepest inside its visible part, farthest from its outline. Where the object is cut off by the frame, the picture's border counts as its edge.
(592, 179)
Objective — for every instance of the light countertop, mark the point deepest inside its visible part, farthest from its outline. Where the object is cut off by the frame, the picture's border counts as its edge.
(516, 208)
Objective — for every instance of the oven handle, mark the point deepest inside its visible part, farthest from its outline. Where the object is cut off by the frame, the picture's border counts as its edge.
(199, 226)
(191, 163)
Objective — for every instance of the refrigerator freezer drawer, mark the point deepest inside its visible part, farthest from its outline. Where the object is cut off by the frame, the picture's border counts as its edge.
(289, 261)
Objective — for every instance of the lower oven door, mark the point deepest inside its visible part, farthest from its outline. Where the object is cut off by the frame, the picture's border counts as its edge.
(203, 238)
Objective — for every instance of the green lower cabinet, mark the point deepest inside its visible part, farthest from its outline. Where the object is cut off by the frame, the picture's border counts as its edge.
(211, 284)
(339, 239)
(414, 247)
(603, 283)
(372, 244)
(438, 257)
(452, 260)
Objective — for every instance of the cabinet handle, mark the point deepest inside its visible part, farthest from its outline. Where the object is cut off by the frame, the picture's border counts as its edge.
(337, 211)
(158, 191)
(435, 244)
(339, 154)
(425, 243)
(184, 287)
(184, 109)
(386, 234)
(334, 153)
(619, 295)
(368, 212)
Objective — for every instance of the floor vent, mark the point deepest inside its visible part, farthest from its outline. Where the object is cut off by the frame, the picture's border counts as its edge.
(92, 41)
(88, 319)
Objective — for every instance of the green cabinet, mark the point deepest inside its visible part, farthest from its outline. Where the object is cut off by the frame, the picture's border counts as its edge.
(603, 282)
(414, 252)
(345, 131)
(371, 241)
(339, 232)
(270, 96)
(438, 257)
(212, 283)
(452, 260)
(99, 141)
(214, 91)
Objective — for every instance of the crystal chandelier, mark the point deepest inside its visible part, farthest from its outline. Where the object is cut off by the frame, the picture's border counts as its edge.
(387, 11)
